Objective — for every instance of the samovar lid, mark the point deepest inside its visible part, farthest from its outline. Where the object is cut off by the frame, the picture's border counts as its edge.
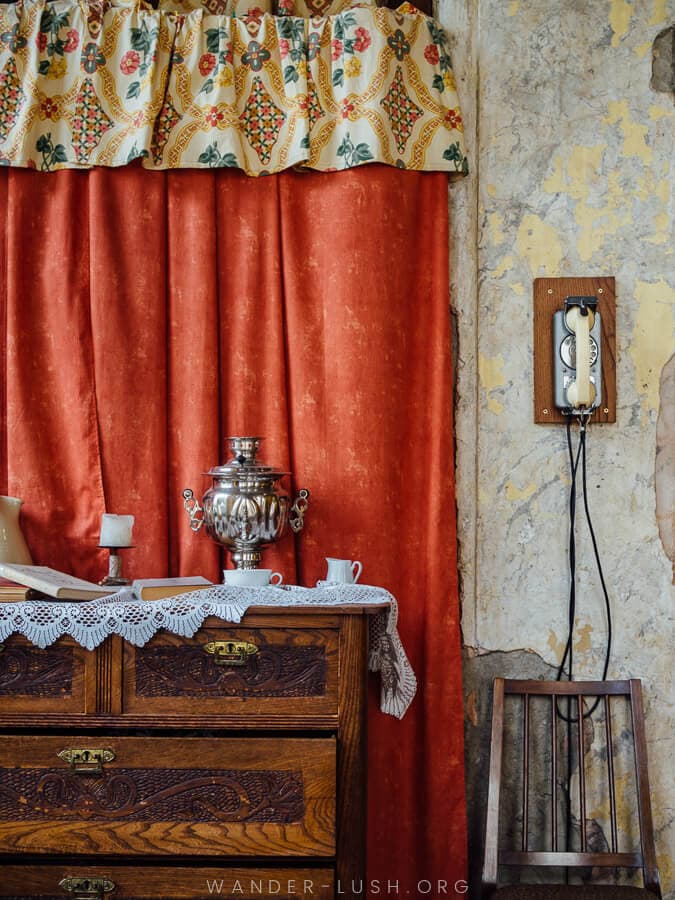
(244, 461)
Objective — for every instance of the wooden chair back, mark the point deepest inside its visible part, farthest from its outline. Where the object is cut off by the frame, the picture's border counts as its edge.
(569, 703)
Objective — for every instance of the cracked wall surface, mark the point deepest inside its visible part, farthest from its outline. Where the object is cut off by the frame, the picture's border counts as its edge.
(571, 174)
(665, 461)
(663, 61)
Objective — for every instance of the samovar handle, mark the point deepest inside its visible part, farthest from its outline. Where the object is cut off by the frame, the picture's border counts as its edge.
(192, 508)
(296, 517)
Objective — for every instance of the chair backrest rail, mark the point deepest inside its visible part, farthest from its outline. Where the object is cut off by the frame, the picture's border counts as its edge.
(592, 688)
(543, 858)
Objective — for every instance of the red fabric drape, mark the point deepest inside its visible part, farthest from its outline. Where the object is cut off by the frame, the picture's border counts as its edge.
(149, 315)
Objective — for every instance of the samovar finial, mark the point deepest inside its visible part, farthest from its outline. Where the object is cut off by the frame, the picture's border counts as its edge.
(244, 449)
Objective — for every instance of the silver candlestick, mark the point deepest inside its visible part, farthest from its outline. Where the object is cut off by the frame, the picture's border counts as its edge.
(114, 576)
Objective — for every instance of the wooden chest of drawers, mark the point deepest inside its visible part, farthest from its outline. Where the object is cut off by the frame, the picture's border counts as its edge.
(229, 764)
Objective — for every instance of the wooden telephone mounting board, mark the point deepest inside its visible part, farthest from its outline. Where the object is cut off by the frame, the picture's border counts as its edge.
(549, 296)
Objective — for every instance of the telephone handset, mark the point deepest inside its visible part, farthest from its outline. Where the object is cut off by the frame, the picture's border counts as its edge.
(577, 371)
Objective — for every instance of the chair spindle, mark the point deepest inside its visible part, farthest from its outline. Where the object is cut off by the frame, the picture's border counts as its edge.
(554, 775)
(526, 766)
(582, 776)
(610, 775)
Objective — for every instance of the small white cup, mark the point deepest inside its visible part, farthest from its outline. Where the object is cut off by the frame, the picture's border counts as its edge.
(343, 571)
(251, 577)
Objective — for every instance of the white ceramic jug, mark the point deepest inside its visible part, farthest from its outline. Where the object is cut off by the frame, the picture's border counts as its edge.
(343, 571)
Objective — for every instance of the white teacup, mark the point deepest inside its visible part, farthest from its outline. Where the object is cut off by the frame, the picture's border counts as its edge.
(251, 577)
(343, 571)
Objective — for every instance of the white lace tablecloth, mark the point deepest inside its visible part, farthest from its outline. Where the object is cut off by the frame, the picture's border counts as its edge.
(43, 622)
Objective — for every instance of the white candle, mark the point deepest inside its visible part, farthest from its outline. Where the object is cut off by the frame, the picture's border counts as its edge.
(116, 530)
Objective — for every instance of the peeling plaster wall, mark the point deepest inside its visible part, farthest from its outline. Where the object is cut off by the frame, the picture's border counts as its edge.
(571, 174)
(665, 461)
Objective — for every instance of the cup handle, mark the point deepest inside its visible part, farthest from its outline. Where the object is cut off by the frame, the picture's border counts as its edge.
(357, 568)
(279, 578)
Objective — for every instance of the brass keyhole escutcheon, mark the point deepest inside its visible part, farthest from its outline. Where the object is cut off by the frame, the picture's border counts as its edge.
(86, 888)
(230, 653)
(86, 761)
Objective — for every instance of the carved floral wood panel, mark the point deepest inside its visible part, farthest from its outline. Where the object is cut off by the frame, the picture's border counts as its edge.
(275, 671)
(135, 795)
(29, 671)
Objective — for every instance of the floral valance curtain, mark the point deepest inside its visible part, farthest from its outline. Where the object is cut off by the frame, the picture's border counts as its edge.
(92, 84)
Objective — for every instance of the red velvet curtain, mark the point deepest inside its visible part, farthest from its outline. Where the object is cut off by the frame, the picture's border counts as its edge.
(149, 315)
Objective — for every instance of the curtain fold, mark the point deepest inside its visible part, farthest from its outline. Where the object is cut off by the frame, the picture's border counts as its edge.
(193, 373)
(127, 293)
(53, 450)
(150, 315)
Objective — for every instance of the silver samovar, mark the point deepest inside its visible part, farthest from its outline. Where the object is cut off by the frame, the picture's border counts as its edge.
(244, 509)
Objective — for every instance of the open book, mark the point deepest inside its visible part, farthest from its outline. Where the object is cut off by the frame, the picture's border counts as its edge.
(54, 583)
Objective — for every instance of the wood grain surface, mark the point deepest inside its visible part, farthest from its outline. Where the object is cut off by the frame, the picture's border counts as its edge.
(265, 768)
(352, 800)
(294, 672)
(225, 796)
(172, 882)
(44, 680)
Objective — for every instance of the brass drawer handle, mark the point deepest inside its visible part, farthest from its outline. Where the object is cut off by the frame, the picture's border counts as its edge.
(86, 888)
(86, 761)
(230, 653)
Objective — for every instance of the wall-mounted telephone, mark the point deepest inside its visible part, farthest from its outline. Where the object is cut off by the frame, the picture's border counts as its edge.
(577, 371)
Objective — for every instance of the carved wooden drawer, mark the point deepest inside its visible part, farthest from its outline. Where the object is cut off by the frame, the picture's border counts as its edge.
(113, 882)
(167, 796)
(237, 670)
(44, 681)
(215, 760)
